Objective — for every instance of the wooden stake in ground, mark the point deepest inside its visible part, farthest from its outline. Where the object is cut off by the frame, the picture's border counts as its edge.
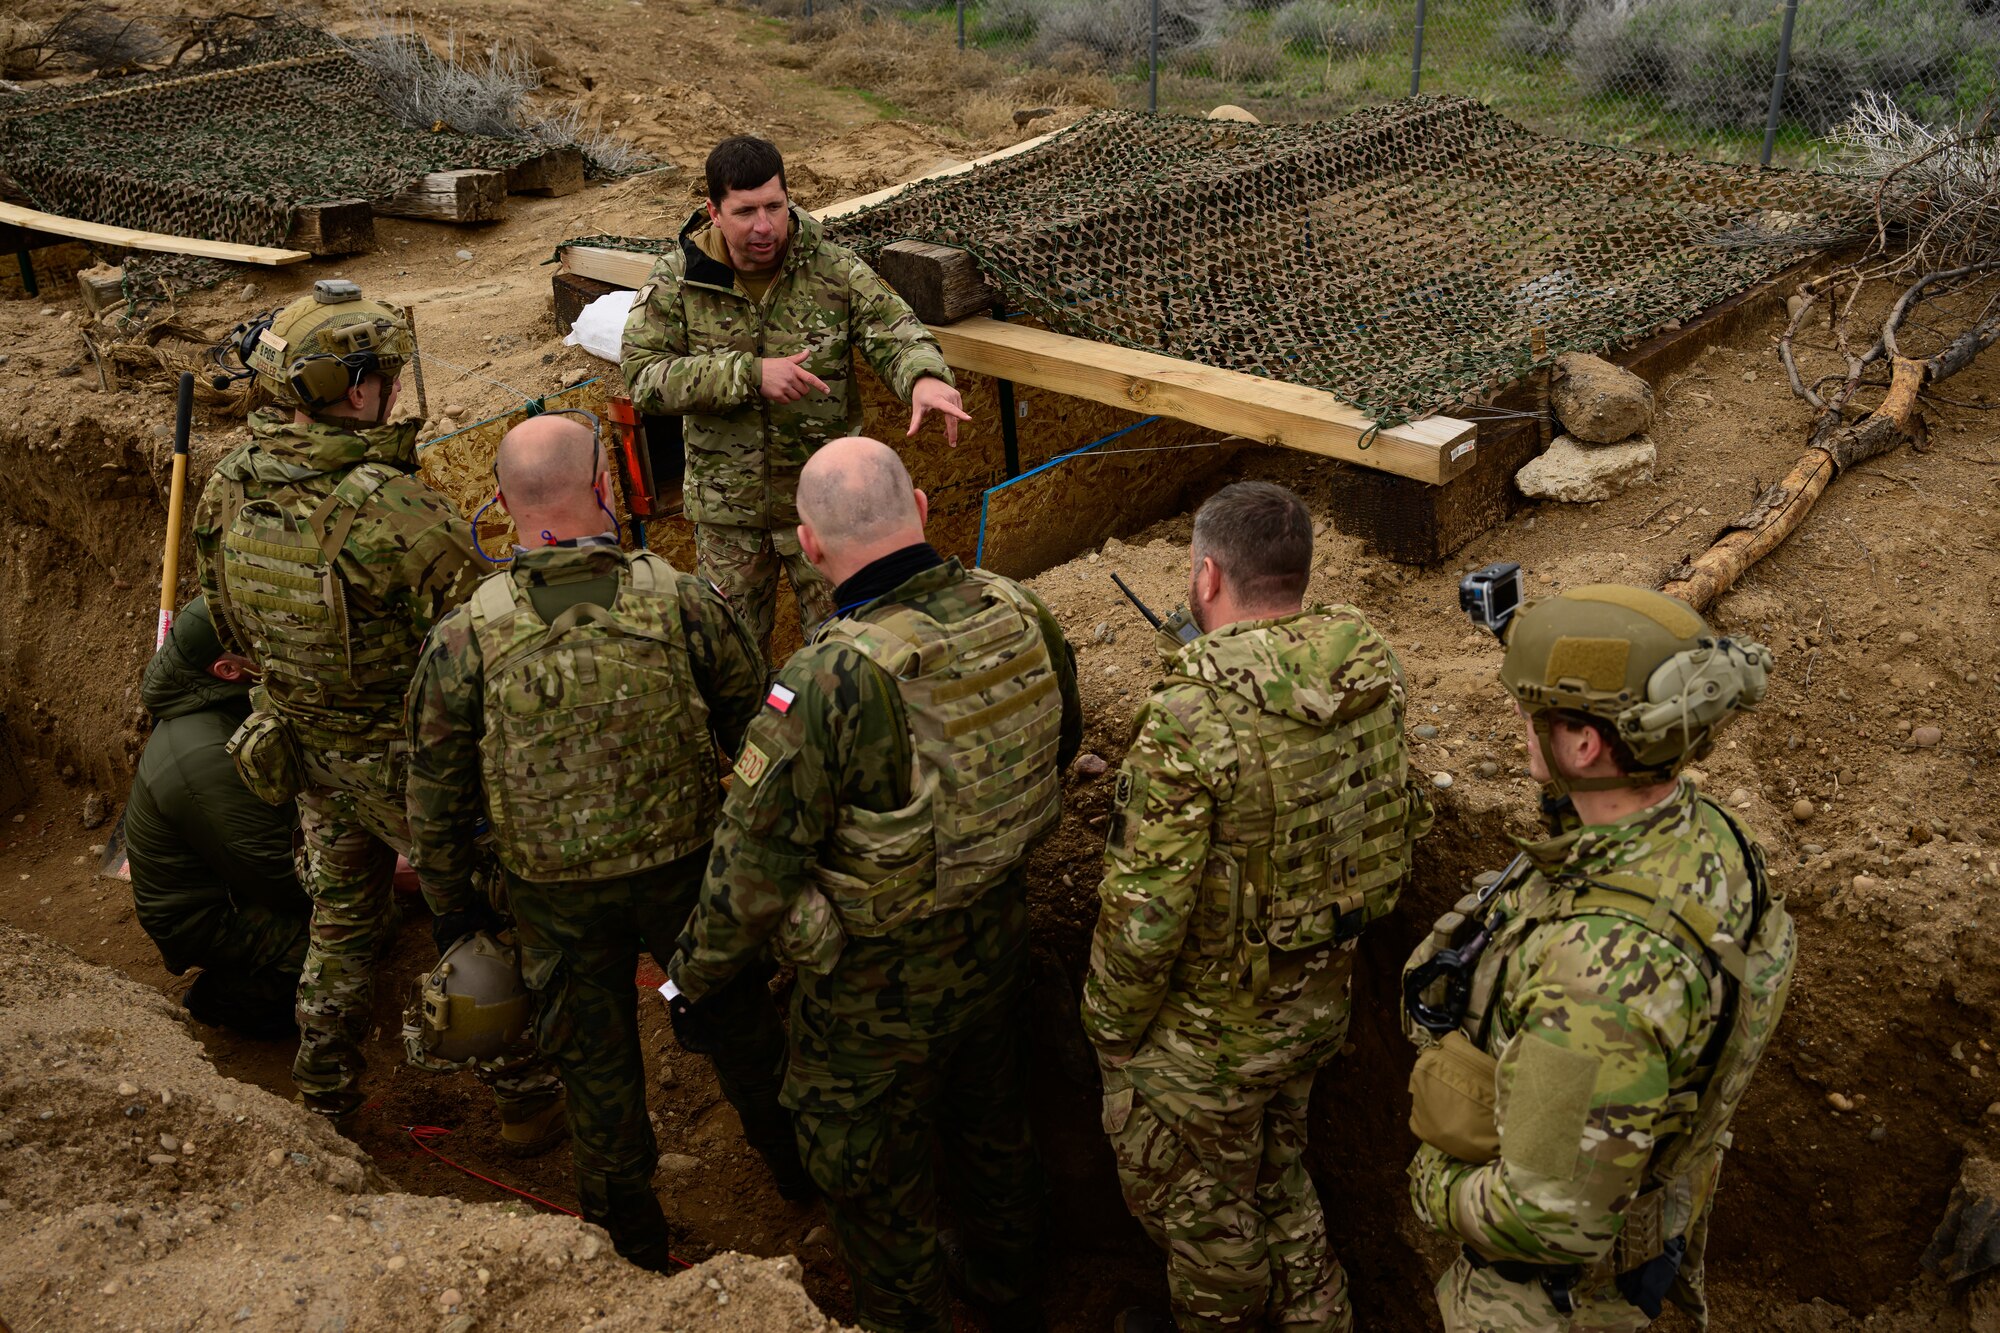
(170, 558)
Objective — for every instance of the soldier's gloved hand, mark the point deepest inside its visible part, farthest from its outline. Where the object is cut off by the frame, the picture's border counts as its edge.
(692, 1027)
(451, 927)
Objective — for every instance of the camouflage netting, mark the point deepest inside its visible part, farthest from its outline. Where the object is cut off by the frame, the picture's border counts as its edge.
(226, 149)
(1399, 257)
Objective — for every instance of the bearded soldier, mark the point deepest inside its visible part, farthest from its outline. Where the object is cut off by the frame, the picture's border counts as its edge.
(1590, 1022)
(577, 701)
(1264, 817)
(325, 560)
(885, 802)
(747, 329)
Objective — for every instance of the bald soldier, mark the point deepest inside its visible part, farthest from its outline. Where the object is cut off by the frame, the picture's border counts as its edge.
(577, 702)
(876, 835)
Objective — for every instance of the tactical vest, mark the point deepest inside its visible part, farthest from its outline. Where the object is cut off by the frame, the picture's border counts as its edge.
(1312, 844)
(597, 760)
(333, 678)
(985, 715)
(1756, 976)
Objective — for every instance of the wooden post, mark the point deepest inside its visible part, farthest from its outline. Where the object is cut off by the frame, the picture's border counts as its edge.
(450, 196)
(941, 283)
(558, 171)
(336, 227)
(103, 288)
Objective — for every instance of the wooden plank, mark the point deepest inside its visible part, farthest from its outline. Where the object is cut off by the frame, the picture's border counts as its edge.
(336, 227)
(557, 172)
(130, 239)
(859, 202)
(472, 195)
(1433, 450)
(941, 282)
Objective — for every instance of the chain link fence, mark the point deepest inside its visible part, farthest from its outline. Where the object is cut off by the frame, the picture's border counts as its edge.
(1736, 80)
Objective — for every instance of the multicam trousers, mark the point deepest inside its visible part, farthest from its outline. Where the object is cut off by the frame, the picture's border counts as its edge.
(875, 1162)
(744, 563)
(579, 952)
(1475, 1300)
(351, 813)
(1217, 1177)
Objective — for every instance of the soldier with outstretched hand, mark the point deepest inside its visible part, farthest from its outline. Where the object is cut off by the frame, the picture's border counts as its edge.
(1264, 817)
(747, 329)
(577, 702)
(885, 802)
(326, 560)
(1614, 991)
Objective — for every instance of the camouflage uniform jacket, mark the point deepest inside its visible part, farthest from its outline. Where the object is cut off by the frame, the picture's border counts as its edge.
(1600, 1026)
(446, 710)
(834, 736)
(692, 346)
(1178, 788)
(408, 556)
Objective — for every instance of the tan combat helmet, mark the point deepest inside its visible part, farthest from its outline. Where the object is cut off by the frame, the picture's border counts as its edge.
(320, 346)
(1638, 659)
(472, 1008)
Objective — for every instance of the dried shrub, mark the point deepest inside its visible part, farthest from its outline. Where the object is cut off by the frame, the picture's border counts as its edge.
(1323, 27)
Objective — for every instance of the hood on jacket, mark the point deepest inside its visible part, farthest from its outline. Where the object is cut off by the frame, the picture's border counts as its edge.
(713, 273)
(1321, 666)
(177, 681)
(282, 450)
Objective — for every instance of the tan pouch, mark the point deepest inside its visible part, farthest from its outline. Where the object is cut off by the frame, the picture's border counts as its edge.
(1452, 1100)
(267, 758)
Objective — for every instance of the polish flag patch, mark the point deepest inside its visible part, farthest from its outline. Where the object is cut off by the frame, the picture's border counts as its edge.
(781, 698)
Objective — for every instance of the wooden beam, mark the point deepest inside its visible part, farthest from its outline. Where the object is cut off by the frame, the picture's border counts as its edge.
(102, 287)
(941, 282)
(859, 202)
(336, 227)
(130, 239)
(472, 195)
(1432, 450)
(558, 171)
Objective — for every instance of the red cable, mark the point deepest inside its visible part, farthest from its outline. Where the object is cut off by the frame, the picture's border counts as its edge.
(421, 1134)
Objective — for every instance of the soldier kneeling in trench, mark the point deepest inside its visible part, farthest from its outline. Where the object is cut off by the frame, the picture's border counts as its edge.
(1590, 1019)
(214, 877)
(1264, 817)
(577, 701)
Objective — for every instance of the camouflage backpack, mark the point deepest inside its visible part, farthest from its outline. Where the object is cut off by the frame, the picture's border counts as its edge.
(1314, 841)
(597, 760)
(287, 598)
(985, 712)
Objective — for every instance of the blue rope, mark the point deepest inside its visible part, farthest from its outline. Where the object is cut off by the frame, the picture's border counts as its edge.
(979, 556)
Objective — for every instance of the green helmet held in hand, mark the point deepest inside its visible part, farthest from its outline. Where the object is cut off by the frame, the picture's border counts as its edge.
(1639, 660)
(472, 1008)
(320, 346)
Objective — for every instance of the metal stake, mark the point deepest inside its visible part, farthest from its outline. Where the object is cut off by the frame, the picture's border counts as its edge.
(1153, 61)
(961, 25)
(1417, 52)
(1777, 82)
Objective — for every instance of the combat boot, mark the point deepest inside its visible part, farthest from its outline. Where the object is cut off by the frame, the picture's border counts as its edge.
(336, 1108)
(537, 1131)
(788, 1173)
(630, 1212)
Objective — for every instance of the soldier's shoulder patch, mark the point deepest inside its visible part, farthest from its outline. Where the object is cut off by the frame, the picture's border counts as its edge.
(644, 294)
(752, 764)
(1128, 802)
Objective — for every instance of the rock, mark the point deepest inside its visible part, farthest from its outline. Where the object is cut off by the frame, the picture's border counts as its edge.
(1839, 1102)
(275, 1157)
(1921, 834)
(576, 377)
(1488, 769)
(449, 1298)
(1090, 765)
(1740, 798)
(463, 255)
(251, 291)
(1813, 849)
(1441, 780)
(398, 1263)
(168, 1143)
(94, 810)
(1907, 637)
(1749, 377)
(1927, 737)
(1426, 732)
(454, 411)
(1103, 633)
(679, 1164)
(128, 1090)
(1794, 304)
(1803, 810)
(162, 1158)
(1581, 473)
(1597, 401)
(1863, 883)
(48, 312)
(1878, 1134)
(226, 1103)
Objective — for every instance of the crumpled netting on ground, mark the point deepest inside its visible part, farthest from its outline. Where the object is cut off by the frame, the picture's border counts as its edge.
(226, 149)
(1399, 257)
